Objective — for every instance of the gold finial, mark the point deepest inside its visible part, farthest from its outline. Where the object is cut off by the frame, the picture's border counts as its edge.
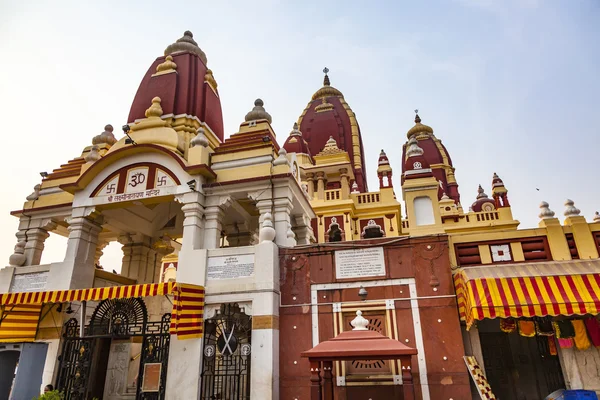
(167, 66)
(326, 78)
(417, 118)
(155, 109)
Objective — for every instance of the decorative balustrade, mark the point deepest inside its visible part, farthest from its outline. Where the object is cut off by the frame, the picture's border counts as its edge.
(333, 194)
(367, 198)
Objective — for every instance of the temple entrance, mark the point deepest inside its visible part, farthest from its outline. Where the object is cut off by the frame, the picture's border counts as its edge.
(518, 367)
(102, 362)
(227, 349)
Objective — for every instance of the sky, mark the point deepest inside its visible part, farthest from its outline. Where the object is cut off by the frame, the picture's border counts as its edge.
(508, 86)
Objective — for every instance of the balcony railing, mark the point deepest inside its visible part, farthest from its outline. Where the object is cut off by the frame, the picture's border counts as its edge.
(333, 194)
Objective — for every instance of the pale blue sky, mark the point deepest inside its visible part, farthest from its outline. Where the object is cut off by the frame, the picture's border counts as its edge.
(509, 86)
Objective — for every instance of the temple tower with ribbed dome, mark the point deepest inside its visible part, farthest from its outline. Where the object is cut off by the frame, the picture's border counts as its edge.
(326, 115)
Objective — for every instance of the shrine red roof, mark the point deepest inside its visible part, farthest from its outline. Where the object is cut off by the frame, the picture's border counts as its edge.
(359, 345)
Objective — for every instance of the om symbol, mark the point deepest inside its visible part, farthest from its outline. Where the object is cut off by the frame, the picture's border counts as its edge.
(137, 179)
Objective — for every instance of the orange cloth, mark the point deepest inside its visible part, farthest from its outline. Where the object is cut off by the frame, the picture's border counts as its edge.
(552, 346)
(527, 328)
(582, 342)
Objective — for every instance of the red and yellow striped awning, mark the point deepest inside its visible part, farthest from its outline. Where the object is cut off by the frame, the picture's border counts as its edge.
(525, 296)
(21, 311)
(19, 323)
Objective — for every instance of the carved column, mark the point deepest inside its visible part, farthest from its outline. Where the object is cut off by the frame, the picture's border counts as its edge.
(311, 184)
(327, 380)
(281, 220)
(315, 380)
(321, 185)
(139, 258)
(213, 227)
(192, 225)
(345, 182)
(303, 230)
(81, 251)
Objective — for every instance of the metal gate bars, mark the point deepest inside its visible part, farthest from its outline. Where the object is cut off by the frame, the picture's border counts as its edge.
(227, 349)
(115, 319)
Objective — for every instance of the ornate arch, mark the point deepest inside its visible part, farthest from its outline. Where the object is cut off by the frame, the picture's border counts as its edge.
(119, 317)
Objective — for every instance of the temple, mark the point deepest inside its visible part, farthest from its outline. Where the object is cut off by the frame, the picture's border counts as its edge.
(264, 267)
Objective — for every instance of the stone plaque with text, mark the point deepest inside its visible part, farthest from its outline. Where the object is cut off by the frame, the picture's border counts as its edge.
(231, 267)
(359, 263)
(33, 282)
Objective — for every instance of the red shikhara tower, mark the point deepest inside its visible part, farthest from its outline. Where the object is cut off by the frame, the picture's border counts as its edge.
(328, 115)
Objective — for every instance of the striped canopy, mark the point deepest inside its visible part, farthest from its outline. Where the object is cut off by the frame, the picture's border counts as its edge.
(515, 291)
(20, 312)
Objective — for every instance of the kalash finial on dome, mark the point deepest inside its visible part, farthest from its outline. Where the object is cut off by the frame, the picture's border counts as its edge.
(327, 90)
(419, 127)
(413, 149)
(480, 193)
(105, 137)
(295, 130)
(186, 43)
(326, 81)
(597, 217)
(258, 112)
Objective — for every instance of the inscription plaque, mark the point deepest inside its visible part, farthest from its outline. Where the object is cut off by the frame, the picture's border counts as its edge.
(151, 378)
(230, 267)
(359, 263)
(33, 282)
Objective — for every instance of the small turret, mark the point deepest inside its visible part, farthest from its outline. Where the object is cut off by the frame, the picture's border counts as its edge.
(499, 192)
(384, 171)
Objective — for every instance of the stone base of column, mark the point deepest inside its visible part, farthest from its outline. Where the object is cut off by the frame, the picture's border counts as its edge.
(185, 369)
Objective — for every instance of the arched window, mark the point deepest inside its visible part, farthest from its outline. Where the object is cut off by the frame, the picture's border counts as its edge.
(424, 211)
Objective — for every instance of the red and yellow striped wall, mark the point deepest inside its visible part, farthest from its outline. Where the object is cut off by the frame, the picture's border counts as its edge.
(526, 296)
(20, 312)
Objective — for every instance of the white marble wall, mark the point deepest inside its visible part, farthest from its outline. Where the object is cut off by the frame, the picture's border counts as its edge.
(581, 368)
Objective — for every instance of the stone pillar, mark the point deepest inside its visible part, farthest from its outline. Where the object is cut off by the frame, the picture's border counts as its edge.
(311, 185)
(192, 224)
(35, 243)
(321, 185)
(139, 260)
(183, 377)
(281, 220)
(213, 227)
(303, 230)
(77, 270)
(238, 234)
(345, 182)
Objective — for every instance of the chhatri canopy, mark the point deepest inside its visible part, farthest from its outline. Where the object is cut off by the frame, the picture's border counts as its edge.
(20, 311)
(528, 290)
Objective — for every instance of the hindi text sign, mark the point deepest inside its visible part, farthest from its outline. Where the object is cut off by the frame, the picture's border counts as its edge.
(359, 263)
(231, 267)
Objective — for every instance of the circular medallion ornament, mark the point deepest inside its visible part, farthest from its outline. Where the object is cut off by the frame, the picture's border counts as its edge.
(227, 343)
(246, 349)
(209, 351)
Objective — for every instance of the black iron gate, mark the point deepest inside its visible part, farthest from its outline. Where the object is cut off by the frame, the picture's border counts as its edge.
(113, 319)
(227, 348)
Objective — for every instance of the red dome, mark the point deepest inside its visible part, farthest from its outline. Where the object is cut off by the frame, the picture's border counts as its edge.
(328, 115)
(187, 91)
(437, 156)
(483, 202)
(295, 143)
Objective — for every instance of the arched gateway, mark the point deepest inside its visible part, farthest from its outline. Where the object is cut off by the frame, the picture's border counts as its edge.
(119, 341)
